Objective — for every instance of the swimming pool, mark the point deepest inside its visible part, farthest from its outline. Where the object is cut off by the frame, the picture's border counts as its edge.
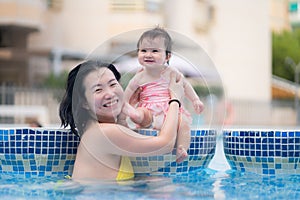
(263, 151)
(51, 153)
(50, 156)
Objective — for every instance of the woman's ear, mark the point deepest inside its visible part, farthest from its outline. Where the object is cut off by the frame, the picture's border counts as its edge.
(85, 105)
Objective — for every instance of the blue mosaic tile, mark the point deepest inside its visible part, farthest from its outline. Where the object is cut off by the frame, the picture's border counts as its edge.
(201, 151)
(21, 151)
(21, 148)
(276, 152)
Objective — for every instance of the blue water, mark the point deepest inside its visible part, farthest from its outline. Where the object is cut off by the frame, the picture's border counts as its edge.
(204, 184)
(216, 182)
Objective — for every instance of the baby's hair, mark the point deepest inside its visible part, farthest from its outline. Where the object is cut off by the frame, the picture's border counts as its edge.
(155, 33)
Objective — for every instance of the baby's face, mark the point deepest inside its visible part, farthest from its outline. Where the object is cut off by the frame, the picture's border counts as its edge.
(152, 52)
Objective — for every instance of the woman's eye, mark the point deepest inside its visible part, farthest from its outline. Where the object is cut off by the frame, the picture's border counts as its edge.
(98, 89)
(113, 84)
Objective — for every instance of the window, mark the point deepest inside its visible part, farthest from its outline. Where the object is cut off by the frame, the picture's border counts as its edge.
(127, 5)
(5, 39)
(293, 7)
(55, 5)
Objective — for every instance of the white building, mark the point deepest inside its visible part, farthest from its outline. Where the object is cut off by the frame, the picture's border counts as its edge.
(236, 35)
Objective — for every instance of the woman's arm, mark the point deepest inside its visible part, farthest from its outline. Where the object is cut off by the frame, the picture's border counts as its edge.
(123, 141)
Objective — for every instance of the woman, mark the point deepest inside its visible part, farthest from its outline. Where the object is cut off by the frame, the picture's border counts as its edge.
(92, 103)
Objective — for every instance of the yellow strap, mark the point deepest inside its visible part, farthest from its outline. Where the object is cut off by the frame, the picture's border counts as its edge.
(126, 170)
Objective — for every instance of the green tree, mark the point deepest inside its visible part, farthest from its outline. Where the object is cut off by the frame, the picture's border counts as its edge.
(284, 45)
(56, 81)
(56, 84)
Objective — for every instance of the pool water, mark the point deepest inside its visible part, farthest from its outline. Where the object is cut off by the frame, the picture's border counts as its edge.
(217, 181)
(202, 184)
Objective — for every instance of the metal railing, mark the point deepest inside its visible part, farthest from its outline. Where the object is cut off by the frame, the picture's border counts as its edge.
(16, 102)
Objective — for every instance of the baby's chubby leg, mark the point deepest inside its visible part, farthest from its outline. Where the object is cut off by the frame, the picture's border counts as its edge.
(183, 141)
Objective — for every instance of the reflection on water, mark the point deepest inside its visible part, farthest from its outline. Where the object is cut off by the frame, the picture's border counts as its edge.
(216, 182)
(202, 184)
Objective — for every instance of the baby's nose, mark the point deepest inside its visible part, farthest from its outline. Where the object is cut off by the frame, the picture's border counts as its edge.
(148, 54)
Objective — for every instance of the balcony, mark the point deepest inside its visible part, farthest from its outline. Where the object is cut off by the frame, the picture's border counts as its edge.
(25, 14)
(294, 10)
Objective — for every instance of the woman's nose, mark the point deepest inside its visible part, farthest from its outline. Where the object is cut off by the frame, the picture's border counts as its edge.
(108, 93)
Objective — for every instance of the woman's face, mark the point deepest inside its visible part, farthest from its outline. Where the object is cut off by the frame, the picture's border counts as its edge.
(104, 95)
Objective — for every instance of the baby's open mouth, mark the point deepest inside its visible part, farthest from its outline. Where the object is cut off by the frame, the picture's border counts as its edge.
(149, 61)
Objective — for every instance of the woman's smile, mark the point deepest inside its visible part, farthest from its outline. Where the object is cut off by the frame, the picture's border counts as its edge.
(111, 103)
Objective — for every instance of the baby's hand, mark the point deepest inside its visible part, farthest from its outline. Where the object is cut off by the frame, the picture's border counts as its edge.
(198, 106)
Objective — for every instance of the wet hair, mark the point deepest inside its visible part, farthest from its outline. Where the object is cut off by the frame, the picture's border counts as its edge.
(71, 111)
(157, 32)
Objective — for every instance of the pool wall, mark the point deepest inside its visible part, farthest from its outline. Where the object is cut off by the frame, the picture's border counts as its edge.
(201, 152)
(266, 152)
(38, 152)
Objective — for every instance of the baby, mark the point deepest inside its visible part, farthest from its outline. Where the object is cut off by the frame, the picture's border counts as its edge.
(154, 53)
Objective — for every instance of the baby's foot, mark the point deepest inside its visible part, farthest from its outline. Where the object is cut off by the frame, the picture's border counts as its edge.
(181, 154)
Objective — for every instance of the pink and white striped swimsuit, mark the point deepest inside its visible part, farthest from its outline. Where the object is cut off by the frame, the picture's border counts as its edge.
(155, 96)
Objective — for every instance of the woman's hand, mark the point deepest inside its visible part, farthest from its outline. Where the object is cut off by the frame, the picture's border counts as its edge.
(176, 87)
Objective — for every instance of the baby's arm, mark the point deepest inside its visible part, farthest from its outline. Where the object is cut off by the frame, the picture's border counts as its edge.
(193, 97)
(131, 98)
(124, 113)
(129, 110)
(191, 94)
(131, 88)
(122, 119)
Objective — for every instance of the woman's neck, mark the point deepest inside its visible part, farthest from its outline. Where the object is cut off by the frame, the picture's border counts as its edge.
(107, 120)
(102, 119)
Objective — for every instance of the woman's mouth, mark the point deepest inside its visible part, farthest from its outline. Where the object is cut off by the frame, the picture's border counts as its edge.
(110, 103)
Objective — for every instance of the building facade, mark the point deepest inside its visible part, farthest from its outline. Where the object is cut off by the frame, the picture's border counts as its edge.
(42, 37)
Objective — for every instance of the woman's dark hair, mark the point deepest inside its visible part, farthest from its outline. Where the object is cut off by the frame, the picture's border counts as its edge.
(71, 111)
(157, 32)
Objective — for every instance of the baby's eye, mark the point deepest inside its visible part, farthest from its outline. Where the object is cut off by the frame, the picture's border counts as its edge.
(143, 50)
(155, 50)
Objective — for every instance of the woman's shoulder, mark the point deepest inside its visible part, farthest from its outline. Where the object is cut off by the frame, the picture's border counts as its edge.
(97, 127)
(102, 131)
(103, 128)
